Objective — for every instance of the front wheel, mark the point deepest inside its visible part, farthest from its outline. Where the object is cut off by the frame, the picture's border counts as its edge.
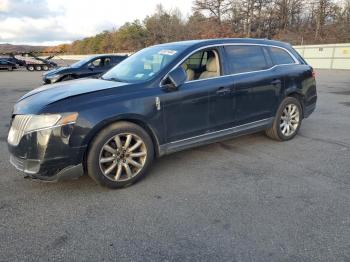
(287, 120)
(119, 155)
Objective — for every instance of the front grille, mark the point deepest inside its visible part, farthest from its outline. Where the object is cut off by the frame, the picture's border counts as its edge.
(17, 129)
(17, 162)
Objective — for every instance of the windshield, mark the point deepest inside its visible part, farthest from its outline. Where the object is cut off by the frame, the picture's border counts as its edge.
(80, 62)
(144, 64)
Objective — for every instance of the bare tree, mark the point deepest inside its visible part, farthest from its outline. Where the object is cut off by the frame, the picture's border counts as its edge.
(323, 10)
(294, 21)
(216, 8)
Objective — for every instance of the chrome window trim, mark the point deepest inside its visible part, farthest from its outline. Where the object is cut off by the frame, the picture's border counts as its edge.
(296, 61)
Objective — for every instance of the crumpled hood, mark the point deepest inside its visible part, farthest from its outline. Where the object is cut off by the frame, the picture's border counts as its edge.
(38, 98)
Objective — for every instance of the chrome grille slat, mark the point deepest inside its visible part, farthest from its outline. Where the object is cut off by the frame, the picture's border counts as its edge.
(17, 162)
(18, 126)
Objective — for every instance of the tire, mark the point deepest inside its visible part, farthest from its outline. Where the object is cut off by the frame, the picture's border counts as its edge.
(68, 78)
(10, 69)
(38, 68)
(293, 118)
(116, 169)
(30, 68)
(45, 67)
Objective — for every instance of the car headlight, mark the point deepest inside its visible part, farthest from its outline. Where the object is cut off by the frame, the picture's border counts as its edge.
(24, 124)
(53, 78)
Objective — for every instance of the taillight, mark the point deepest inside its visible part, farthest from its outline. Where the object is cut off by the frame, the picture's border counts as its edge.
(313, 74)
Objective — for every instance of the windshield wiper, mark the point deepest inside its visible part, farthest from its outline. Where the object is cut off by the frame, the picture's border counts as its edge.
(112, 79)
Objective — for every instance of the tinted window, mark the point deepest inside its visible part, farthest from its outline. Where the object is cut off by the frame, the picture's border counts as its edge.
(246, 58)
(117, 59)
(107, 61)
(279, 56)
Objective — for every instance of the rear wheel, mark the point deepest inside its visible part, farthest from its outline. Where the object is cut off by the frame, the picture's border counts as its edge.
(120, 155)
(38, 68)
(287, 121)
(30, 68)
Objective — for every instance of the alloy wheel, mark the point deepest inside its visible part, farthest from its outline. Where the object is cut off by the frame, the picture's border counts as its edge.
(290, 120)
(122, 157)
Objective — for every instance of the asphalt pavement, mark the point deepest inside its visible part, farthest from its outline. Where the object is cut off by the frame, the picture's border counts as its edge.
(244, 199)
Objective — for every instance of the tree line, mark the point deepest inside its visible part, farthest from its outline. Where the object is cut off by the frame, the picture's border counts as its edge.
(294, 21)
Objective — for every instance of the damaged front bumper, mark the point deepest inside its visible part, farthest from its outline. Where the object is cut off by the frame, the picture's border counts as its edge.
(47, 154)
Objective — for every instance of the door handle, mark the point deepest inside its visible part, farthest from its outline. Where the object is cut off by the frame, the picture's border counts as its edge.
(276, 82)
(223, 91)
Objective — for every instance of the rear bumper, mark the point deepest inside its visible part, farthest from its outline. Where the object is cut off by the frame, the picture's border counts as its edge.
(47, 155)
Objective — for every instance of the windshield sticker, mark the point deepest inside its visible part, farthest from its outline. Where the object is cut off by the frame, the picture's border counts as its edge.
(167, 52)
(139, 75)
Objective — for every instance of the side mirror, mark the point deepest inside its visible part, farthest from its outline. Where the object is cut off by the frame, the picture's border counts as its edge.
(175, 79)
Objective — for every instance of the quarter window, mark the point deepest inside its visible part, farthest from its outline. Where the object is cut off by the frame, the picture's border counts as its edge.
(246, 58)
(280, 57)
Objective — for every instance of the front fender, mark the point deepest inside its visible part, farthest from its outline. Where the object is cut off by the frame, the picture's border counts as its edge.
(133, 118)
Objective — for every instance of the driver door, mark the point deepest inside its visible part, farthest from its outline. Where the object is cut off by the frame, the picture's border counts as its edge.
(187, 109)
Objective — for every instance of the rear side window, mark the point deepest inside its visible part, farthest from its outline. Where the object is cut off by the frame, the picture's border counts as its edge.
(246, 58)
(280, 56)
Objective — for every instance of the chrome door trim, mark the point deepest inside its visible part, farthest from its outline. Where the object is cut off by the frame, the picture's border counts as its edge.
(213, 136)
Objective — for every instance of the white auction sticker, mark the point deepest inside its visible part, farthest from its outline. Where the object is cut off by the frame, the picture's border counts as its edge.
(167, 52)
(139, 75)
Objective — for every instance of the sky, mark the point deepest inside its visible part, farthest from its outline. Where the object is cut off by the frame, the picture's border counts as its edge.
(52, 22)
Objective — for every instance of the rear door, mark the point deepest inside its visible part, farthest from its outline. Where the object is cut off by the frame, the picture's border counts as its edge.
(256, 86)
(107, 64)
(221, 97)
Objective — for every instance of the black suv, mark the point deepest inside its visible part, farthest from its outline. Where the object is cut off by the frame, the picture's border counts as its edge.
(162, 99)
(88, 67)
(6, 64)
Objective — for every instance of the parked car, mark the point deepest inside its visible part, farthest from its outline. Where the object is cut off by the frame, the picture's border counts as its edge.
(163, 99)
(11, 58)
(88, 67)
(6, 64)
